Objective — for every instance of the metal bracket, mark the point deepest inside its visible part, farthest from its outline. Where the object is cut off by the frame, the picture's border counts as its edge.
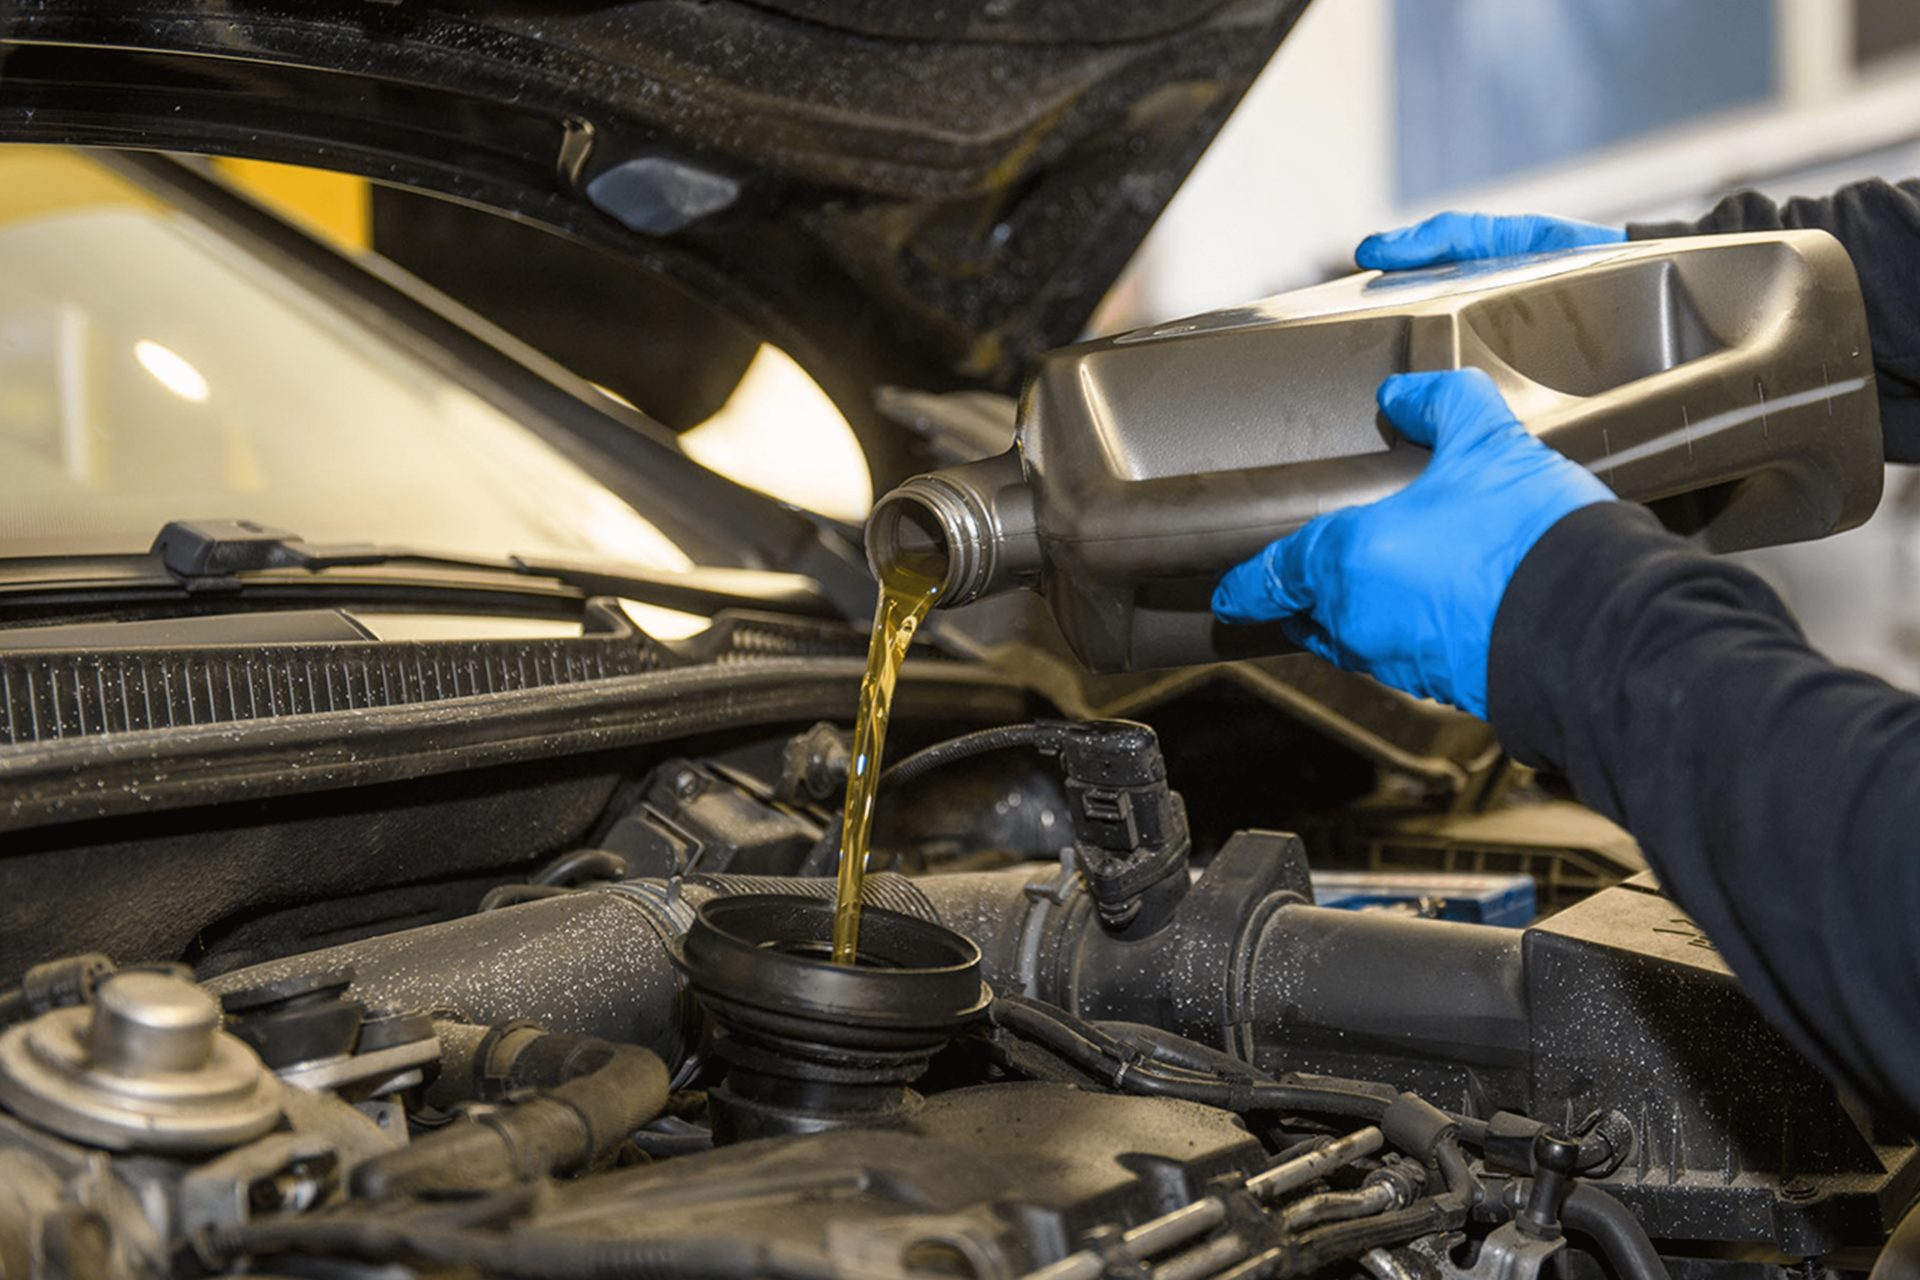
(1507, 1253)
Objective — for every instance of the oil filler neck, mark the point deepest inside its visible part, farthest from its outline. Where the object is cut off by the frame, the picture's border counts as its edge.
(810, 1045)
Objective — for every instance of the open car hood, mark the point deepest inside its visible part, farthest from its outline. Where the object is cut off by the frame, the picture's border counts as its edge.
(896, 191)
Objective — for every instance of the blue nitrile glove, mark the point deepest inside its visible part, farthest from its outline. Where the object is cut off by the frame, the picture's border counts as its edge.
(1465, 237)
(1406, 588)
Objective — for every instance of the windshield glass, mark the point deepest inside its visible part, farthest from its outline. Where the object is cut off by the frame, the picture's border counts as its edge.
(150, 370)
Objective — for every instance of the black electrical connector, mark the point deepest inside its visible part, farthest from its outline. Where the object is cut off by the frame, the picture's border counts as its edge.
(1131, 838)
(1130, 830)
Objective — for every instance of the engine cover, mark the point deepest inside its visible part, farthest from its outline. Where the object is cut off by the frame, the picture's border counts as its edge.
(993, 1180)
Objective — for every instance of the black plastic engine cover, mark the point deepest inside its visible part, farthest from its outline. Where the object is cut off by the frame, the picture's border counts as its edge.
(1002, 1178)
(1633, 1008)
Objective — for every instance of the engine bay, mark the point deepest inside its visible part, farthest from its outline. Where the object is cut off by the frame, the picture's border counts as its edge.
(1089, 1036)
(382, 894)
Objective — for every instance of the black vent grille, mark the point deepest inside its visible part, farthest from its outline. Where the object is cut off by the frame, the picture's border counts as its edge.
(46, 696)
(741, 636)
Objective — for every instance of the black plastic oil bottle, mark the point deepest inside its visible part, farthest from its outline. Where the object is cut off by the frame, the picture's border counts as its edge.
(1724, 380)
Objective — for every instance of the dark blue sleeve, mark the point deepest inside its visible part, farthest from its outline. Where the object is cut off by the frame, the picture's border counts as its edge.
(1776, 795)
(1879, 223)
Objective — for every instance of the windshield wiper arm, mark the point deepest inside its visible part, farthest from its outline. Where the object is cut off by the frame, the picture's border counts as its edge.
(217, 555)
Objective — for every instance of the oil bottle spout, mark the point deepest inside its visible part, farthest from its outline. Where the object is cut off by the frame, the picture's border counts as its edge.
(969, 527)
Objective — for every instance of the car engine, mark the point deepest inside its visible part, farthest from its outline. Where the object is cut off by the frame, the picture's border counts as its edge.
(1081, 1043)
(382, 894)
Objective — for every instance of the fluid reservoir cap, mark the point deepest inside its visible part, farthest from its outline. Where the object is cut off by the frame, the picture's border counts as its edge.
(151, 1022)
(144, 1068)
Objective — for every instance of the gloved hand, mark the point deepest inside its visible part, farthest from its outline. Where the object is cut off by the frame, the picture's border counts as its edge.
(1465, 237)
(1406, 588)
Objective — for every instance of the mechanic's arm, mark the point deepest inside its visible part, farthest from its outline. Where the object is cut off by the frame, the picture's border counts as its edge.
(1878, 222)
(1776, 795)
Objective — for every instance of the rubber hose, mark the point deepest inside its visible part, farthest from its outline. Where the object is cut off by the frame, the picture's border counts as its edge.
(1317, 1249)
(568, 1128)
(1459, 1176)
(1039, 733)
(1110, 1060)
(1591, 1212)
(570, 869)
(512, 895)
(978, 743)
(1178, 1051)
(1343, 1241)
(1337, 1206)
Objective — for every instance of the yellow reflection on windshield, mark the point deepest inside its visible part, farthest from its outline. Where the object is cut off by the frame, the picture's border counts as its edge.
(779, 433)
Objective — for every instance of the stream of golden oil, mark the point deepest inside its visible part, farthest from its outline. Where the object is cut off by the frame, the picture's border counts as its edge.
(907, 591)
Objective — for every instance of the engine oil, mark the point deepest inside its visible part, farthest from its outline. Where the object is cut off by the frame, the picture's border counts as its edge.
(908, 588)
(1724, 380)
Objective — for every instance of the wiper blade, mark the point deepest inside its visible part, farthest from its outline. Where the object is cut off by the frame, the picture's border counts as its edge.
(218, 555)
